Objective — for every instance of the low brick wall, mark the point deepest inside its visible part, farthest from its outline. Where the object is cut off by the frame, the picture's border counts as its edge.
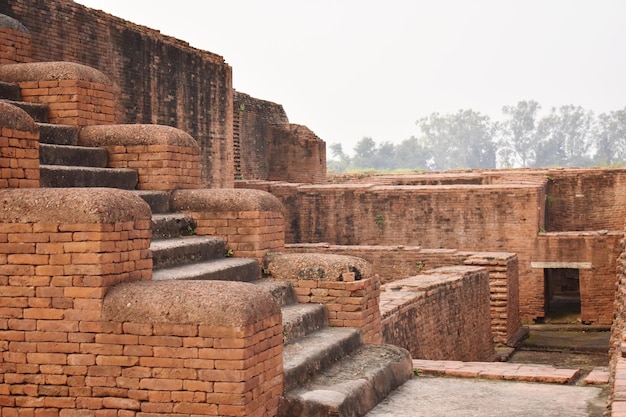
(75, 94)
(395, 263)
(14, 41)
(440, 316)
(250, 221)
(344, 284)
(165, 158)
(19, 148)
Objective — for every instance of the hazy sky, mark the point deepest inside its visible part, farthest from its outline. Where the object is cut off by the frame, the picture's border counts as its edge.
(354, 68)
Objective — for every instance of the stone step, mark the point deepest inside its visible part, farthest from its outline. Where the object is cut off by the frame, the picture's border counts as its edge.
(37, 111)
(300, 320)
(10, 91)
(159, 202)
(224, 269)
(282, 291)
(55, 134)
(166, 225)
(72, 155)
(308, 355)
(352, 386)
(64, 176)
(180, 251)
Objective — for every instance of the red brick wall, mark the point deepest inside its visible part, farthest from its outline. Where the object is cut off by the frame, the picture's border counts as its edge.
(158, 79)
(442, 316)
(296, 155)
(617, 344)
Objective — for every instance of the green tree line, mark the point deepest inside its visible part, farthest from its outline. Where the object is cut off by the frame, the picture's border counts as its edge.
(568, 136)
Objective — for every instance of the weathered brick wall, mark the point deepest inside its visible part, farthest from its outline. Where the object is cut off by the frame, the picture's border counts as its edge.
(344, 284)
(164, 157)
(158, 79)
(85, 332)
(268, 147)
(393, 263)
(440, 316)
(251, 222)
(14, 41)
(19, 149)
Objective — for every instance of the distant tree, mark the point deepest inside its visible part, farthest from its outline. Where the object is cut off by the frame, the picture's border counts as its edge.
(610, 138)
(364, 153)
(411, 154)
(565, 137)
(518, 134)
(340, 161)
(460, 140)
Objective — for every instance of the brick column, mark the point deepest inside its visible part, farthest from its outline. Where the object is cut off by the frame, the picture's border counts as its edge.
(250, 221)
(14, 41)
(75, 94)
(19, 148)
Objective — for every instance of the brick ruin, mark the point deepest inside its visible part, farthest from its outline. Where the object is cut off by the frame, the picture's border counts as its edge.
(84, 330)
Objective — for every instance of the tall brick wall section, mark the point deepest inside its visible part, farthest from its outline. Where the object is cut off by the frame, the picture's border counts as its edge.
(441, 316)
(617, 344)
(253, 119)
(19, 149)
(268, 147)
(85, 332)
(296, 155)
(158, 79)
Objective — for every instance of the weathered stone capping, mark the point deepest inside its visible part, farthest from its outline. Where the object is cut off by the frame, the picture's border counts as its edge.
(165, 158)
(14, 41)
(345, 284)
(440, 316)
(250, 221)
(19, 148)
(76, 94)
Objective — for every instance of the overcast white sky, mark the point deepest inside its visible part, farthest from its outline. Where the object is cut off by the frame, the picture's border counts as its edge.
(354, 68)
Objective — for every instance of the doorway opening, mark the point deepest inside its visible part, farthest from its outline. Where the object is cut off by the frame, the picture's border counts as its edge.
(562, 288)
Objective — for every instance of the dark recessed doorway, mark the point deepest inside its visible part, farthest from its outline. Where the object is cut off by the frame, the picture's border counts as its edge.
(562, 288)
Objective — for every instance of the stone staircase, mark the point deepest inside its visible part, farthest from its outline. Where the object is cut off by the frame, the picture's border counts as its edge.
(328, 371)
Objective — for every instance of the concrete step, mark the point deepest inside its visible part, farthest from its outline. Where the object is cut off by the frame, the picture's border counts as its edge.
(308, 355)
(351, 387)
(224, 269)
(10, 91)
(300, 320)
(167, 253)
(58, 134)
(65, 176)
(282, 291)
(159, 202)
(37, 111)
(168, 225)
(72, 155)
